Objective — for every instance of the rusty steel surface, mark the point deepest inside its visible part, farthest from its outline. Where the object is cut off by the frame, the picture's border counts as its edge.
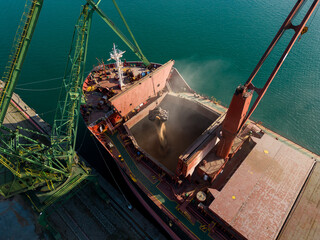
(202, 151)
(259, 196)
(304, 221)
(143, 113)
(237, 111)
(211, 165)
(147, 87)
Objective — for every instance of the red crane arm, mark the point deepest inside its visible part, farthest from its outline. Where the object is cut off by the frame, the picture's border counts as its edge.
(237, 113)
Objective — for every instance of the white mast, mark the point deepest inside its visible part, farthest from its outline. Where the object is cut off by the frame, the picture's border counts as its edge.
(116, 54)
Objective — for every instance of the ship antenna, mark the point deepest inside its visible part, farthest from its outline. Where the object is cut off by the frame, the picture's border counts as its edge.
(116, 55)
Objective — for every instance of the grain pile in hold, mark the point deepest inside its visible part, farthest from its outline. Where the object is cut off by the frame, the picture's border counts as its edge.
(159, 116)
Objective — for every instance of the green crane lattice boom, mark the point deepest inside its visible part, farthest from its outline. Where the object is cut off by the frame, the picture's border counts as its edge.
(65, 125)
(20, 47)
(49, 164)
(52, 168)
(135, 48)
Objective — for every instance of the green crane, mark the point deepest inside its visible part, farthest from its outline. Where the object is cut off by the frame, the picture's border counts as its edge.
(51, 168)
(19, 50)
(49, 165)
(64, 131)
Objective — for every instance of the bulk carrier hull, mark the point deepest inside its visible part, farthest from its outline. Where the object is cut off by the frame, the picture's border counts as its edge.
(192, 193)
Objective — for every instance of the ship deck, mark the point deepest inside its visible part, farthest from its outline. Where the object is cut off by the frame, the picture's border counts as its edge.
(251, 198)
(304, 220)
(152, 183)
(263, 189)
(107, 77)
(261, 192)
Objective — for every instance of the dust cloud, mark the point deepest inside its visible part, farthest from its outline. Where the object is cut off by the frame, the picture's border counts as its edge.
(203, 73)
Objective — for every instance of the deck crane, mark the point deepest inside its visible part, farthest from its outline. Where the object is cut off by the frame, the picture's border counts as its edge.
(48, 164)
(237, 114)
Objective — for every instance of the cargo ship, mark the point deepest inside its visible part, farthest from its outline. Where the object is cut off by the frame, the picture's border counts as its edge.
(201, 170)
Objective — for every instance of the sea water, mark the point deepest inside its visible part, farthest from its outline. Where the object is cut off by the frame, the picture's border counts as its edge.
(216, 45)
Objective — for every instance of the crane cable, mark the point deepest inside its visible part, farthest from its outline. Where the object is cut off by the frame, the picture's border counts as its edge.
(39, 89)
(306, 28)
(46, 80)
(314, 16)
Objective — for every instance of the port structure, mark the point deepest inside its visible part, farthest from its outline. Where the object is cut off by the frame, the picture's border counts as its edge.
(238, 112)
(51, 167)
(32, 160)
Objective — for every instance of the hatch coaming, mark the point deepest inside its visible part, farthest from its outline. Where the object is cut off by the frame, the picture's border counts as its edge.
(187, 121)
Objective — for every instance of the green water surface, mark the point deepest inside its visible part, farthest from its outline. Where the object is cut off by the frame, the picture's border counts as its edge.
(216, 45)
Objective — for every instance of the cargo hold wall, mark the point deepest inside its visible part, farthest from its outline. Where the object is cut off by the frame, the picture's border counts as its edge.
(142, 90)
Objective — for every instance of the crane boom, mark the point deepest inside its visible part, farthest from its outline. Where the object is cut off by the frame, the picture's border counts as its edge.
(49, 163)
(135, 48)
(237, 114)
(19, 51)
(51, 167)
(65, 125)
